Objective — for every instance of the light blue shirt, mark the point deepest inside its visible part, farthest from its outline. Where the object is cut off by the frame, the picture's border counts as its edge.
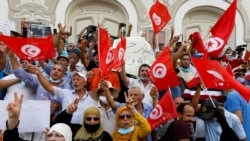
(67, 76)
(32, 81)
(214, 130)
(235, 102)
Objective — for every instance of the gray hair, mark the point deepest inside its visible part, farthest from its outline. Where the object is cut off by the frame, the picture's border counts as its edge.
(136, 86)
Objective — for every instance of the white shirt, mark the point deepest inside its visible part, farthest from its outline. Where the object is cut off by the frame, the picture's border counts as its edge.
(19, 88)
(147, 98)
(107, 119)
(67, 96)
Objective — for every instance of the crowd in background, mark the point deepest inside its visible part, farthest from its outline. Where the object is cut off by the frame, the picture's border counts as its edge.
(85, 107)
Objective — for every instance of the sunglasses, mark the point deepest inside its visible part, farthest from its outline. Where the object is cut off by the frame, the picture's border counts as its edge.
(92, 118)
(128, 116)
(56, 135)
(241, 74)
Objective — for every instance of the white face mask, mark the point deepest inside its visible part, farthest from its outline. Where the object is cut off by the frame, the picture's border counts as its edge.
(103, 99)
(54, 81)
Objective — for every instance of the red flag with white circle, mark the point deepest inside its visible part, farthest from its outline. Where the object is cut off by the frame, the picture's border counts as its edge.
(159, 16)
(221, 31)
(164, 111)
(105, 52)
(162, 73)
(31, 48)
(119, 53)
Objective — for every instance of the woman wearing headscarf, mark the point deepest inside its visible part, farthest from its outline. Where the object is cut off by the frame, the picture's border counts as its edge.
(90, 130)
(127, 130)
(58, 132)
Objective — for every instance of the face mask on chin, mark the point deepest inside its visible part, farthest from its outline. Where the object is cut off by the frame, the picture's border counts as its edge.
(125, 131)
(241, 80)
(54, 81)
(103, 99)
(185, 69)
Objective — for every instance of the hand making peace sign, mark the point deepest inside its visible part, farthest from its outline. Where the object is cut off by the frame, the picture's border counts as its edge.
(14, 108)
(130, 103)
(73, 106)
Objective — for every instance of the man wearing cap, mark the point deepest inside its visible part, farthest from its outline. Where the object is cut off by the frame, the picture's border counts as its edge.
(76, 64)
(219, 123)
(107, 114)
(67, 96)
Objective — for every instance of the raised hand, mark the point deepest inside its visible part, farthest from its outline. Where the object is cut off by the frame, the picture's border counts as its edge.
(154, 93)
(1, 135)
(33, 69)
(61, 28)
(104, 85)
(144, 33)
(73, 106)
(24, 23)
(130, 26)
(129, 102)
(3, 47)
(14, 108)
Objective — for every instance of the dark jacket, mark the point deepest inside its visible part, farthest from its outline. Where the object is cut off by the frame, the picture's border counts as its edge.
(64, 117)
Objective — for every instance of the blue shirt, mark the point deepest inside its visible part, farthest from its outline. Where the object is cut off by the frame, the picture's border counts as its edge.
(235, 102)
(32, 81)
(214, 130)
(67, 76)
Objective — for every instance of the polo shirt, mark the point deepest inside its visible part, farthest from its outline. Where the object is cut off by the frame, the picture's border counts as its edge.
(67, 96)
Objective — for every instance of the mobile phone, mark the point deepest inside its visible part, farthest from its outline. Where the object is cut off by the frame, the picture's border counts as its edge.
(55, 31)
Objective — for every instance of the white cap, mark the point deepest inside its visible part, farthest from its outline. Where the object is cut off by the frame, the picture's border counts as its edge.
(80, 74)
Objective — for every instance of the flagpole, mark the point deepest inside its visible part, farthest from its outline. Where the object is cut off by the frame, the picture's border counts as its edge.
(205, 89)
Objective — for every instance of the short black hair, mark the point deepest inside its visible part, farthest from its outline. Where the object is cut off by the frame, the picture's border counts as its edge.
(142, 65)
(181, 107)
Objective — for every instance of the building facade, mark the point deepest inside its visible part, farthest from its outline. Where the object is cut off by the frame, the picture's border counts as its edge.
(187, 16)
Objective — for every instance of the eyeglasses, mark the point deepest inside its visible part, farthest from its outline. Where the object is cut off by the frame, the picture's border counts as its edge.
(56, 135)
(128, 116)
(161, 44)
(92, 118)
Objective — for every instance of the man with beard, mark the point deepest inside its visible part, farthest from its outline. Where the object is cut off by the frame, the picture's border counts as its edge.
(143, 82)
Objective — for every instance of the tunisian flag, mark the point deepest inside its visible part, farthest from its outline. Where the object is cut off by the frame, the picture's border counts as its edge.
(221, 31)
(162, 72)
(119, 53)
(31, 48)
(106, 56)
(159, 16)
(214, 76)
(163, 111)
(198, 43)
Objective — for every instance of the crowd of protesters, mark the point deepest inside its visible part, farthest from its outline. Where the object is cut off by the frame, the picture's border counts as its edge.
(85, 107)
